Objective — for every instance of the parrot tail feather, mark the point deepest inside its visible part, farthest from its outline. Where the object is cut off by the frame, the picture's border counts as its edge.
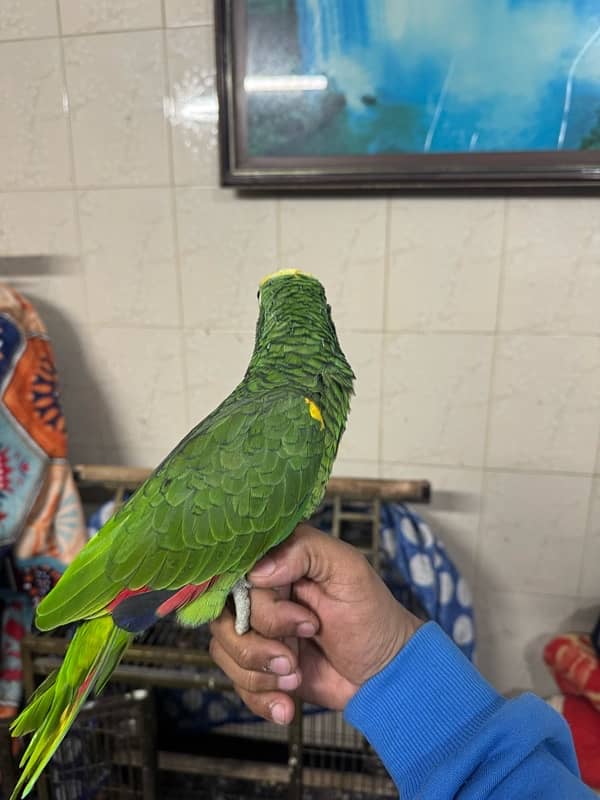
(37, 709)
(93, 654)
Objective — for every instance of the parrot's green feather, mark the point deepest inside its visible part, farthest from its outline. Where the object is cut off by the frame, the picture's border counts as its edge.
(37, 708)
(143, 550)
(91, 658)
(234, 487)
(139, 574)
(187, 569)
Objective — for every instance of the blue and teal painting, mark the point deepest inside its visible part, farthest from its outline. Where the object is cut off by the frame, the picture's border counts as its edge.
(360, 77)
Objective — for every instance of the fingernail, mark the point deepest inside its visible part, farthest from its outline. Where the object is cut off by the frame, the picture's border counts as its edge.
(278, 714)
(263, 568)
(306, 629)
(280, 666)
(288, 682)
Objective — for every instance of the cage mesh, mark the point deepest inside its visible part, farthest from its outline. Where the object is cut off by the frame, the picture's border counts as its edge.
(109, 753)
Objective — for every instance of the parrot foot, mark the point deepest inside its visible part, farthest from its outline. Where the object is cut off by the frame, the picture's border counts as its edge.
(241, 600)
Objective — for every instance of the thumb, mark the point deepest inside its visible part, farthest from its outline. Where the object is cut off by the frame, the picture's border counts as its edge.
(307, 553)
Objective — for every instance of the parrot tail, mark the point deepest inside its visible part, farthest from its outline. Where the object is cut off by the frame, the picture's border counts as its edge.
(92, 655)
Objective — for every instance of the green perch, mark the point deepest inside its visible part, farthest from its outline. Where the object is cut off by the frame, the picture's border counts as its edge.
(234, 487)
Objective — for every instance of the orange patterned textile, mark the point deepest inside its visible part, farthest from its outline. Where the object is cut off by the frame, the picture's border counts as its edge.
(42, 526)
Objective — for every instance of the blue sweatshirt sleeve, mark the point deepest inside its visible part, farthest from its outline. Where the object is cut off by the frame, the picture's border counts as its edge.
(443, 732)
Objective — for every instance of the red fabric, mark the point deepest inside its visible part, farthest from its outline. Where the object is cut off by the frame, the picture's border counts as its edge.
(575, 666)
(584, 721)
(576, 669)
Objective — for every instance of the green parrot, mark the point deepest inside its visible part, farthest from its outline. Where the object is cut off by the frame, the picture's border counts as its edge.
(234, 487)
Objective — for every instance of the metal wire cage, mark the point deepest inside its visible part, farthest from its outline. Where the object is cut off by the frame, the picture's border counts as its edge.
(319, 756)
(109, 753)
(339, 762)
(8, 765)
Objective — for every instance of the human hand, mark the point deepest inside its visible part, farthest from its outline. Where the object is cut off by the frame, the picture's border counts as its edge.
(344, 624)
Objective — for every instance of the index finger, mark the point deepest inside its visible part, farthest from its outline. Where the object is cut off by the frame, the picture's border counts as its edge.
(307, 553)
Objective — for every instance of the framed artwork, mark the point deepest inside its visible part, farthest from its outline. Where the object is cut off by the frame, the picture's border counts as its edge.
(412, 94)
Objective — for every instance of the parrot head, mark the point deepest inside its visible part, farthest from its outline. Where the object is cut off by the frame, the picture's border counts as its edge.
(291, 300)
(295, 332)
(292, 297)
(287, 282)
(281, 273)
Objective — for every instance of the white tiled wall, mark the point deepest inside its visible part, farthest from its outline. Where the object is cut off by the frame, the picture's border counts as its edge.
(472, 323)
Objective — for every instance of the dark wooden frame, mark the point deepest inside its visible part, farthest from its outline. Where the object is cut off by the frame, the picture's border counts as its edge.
(465, 171)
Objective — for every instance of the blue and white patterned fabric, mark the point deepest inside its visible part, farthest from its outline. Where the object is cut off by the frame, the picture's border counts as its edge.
(411, 552)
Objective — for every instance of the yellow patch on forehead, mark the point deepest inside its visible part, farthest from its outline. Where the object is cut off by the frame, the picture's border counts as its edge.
(281, 272)
(314, 411)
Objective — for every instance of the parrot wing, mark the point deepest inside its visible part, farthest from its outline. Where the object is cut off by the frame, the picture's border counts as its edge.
(238, 484)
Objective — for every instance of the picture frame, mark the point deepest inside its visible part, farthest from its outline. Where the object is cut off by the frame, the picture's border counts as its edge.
(280, 97)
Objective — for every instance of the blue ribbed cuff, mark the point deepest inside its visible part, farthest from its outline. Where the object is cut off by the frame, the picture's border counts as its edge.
(428, 701)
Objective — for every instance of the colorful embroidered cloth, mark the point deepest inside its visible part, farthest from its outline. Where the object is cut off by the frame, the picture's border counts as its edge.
(41, 520)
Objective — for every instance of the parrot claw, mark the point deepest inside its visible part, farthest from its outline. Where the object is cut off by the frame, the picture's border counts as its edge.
(241, 601)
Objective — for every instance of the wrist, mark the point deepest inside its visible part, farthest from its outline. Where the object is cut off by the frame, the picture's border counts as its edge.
(397, 635)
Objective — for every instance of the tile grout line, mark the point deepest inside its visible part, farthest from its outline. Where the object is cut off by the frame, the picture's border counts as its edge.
(588, 521)
(73, 189)
(589, 516)
(97, 187)
(111, 323)
(496, 334)
(115, 32)
(386, 264)
(586, 537)
(175, 227)
(278, 234)
(493, 470)
(487, 437)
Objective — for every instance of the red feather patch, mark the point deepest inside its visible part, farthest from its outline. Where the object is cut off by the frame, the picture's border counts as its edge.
(124, 594)
(184, 596)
